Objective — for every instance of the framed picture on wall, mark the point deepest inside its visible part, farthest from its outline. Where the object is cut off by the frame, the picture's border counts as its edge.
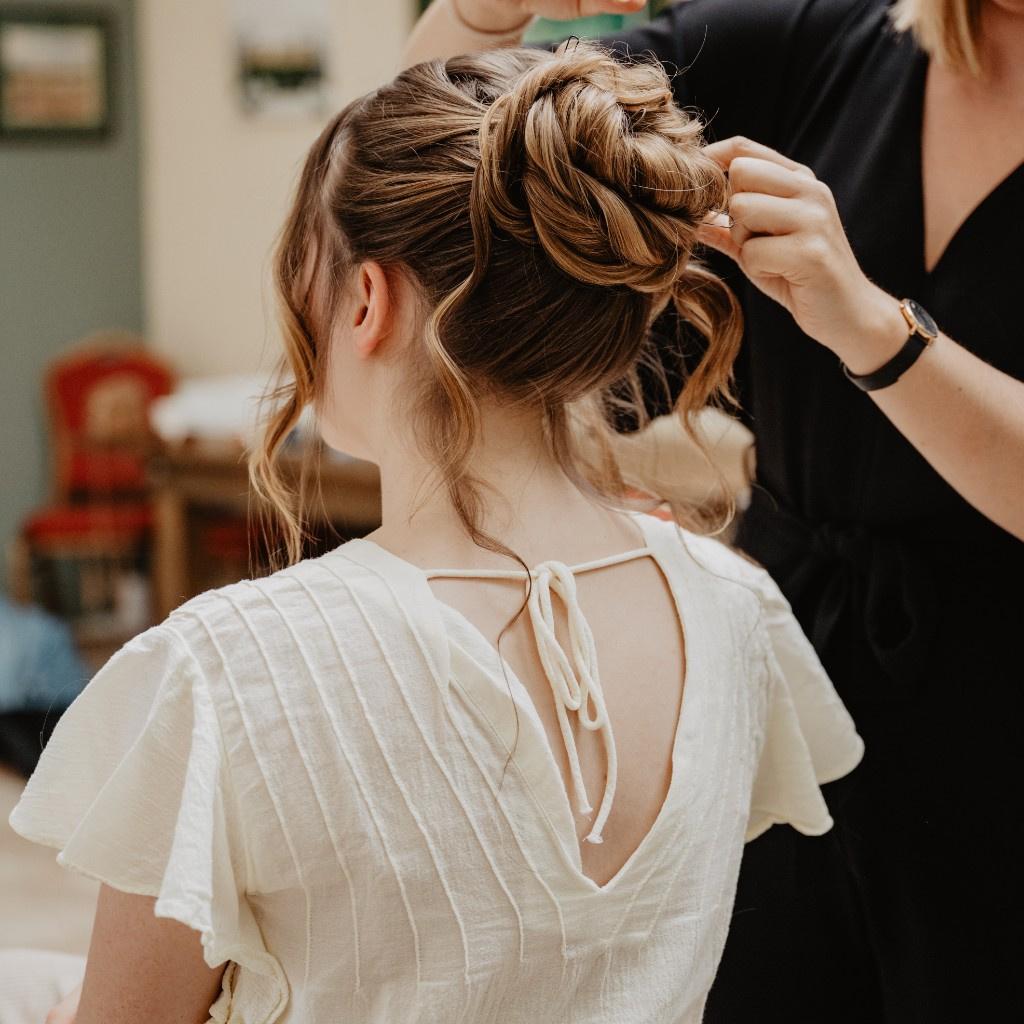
(55, 73)
(282, 58)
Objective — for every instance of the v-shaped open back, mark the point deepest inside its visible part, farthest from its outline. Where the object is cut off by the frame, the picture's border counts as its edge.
(572, 700)
(572, 671)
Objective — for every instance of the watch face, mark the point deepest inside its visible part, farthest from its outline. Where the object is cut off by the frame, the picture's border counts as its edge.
(923, 318)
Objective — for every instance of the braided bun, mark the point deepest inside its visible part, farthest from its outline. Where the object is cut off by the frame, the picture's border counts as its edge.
(545, 207)
(591, 159)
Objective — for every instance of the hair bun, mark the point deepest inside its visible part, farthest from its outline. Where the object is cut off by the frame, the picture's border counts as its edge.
(590, 158)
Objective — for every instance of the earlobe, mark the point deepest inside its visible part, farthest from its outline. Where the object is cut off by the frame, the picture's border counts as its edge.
(372, 321)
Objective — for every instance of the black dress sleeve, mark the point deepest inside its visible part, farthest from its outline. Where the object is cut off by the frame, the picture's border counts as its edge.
(746, 67)
(742, 63)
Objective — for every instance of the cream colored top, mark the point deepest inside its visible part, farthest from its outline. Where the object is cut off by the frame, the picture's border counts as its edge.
(305, 769)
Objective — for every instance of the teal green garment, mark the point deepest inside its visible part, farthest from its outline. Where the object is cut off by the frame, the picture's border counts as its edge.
(543, 30)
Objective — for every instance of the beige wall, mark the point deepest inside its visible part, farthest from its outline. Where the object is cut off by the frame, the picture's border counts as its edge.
(215, 184)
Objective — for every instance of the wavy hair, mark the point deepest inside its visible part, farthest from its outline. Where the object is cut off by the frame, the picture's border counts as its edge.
(546, 206)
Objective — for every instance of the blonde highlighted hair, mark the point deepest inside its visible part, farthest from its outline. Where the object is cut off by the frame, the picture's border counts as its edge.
(948, 30)
(546, 206)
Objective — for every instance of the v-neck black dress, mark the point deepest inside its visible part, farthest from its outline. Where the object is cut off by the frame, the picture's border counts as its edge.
(911, 910)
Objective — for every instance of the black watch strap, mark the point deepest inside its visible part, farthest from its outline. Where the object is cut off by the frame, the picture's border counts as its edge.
(891, 371)
(923, 331)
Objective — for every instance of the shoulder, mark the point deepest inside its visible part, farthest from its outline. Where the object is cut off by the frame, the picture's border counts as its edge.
(704, 552)
(250, 628)
(231, 611)
(740, 62)
(773, 21)
(715, 568)
(708, 28)
(733, 566)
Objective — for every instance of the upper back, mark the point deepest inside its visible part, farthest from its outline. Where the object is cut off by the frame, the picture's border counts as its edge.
(360, 657)
(340, 788)
(619, 645)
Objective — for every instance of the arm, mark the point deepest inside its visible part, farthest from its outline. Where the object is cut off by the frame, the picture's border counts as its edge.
(967, 419)
(736, 61)
(964, 416)
(142, 968)
(450, 27)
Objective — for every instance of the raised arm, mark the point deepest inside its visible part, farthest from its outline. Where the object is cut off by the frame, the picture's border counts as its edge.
(450, 27)
(964, 416)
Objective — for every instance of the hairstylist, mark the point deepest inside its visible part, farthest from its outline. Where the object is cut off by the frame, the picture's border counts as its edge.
(890, 453)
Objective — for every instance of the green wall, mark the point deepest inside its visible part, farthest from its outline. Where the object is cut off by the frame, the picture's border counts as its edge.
(69, 263)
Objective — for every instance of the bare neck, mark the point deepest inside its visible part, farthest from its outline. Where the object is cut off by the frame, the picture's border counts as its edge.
(1002, 53)
(529, 504)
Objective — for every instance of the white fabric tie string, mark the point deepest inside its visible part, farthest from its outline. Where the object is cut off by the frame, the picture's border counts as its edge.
(574, 679)
(572, 674)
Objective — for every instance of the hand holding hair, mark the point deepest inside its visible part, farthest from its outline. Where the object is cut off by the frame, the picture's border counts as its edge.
(786, 236)
(964, 416)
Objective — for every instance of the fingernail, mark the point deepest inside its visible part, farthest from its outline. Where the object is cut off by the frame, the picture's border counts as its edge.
(718, 220)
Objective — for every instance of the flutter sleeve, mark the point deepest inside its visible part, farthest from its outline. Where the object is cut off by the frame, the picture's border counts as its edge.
(809, 737)
(134, 789)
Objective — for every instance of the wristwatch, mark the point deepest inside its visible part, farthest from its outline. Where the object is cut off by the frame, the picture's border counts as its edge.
(923, 331)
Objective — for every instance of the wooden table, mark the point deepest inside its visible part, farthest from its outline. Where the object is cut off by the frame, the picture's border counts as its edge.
(194, 477)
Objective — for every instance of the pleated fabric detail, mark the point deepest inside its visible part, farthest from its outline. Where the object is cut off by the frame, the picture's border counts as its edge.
(309, 770)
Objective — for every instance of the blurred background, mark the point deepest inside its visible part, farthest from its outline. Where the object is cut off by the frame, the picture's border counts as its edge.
(148, 149)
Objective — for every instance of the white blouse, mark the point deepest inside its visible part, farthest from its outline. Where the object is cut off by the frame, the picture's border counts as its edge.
(305, 769)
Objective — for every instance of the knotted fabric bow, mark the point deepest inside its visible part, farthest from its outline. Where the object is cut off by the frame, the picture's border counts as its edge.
(574, 678)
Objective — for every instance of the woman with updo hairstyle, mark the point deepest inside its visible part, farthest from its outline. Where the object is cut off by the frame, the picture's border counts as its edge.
(875, 156)
(497, 761)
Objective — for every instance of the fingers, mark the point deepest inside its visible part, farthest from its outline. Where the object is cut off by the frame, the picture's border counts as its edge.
(752, 215)
(761, 180)
(718, 236)
(771, 195)
(728, 150)
(759, 256)
(752, 174)
(755, 213)
(782, 256)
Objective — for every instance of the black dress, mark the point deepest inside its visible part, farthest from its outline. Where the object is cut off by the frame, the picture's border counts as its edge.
(910, 910)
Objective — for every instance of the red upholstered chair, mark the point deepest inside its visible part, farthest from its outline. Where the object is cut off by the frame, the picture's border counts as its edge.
(93, 535)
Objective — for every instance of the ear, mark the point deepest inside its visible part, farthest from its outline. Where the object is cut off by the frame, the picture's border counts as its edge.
(371, 317)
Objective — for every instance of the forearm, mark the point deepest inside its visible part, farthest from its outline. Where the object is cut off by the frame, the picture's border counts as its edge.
(967, 419)
(444, 31)
(964, 416)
